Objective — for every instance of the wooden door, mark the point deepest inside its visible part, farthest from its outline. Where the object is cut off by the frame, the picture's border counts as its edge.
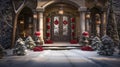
(60, 28)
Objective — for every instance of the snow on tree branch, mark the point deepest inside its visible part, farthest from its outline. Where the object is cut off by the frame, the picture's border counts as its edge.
(16, 10)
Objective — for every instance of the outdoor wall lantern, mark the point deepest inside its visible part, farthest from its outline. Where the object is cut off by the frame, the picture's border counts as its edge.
(22, 21)
(35, 16)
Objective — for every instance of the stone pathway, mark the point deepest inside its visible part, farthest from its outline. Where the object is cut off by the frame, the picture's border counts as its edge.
(61, 58)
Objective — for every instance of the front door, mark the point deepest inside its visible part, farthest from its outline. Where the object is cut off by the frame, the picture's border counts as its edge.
(60, 29)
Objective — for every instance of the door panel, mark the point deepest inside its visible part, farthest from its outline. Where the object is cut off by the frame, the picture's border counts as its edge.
(56, 28)
(61, 28)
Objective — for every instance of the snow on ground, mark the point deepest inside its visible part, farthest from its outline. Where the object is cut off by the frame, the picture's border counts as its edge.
(61, 58)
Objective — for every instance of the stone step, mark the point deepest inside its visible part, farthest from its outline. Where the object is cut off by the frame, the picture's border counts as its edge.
(60, 47)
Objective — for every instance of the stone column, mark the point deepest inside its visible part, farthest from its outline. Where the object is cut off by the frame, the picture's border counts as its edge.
(40, 23)
(35, 17)
(104, 23)
(82, 19)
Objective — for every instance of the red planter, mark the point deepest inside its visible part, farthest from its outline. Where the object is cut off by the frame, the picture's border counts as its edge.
(85, 34)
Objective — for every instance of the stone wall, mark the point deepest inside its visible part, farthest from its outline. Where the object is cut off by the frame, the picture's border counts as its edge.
(5, 23)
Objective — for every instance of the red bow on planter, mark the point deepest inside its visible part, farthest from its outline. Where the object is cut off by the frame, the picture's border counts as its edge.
(56, 22)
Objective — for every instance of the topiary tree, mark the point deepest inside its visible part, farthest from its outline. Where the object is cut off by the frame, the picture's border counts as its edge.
(107, 46)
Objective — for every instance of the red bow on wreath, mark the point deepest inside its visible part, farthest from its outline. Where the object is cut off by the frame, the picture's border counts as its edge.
(65, 22)
(56, 22)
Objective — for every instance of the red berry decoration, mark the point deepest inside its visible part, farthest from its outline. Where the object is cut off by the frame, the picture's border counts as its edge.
(48, 19)
(48, 27)
(73, 19)
(48, 34)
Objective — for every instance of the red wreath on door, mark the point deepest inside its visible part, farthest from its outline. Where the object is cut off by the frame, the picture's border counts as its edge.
(56, 22)
(65, 22)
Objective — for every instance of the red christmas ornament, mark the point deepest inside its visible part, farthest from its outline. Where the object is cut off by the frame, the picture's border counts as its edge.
(73, 34)
(65, 22)
(37, 33)
(73, 26)
(48, 19)
(73, 19)
(48, 27)
(85, 34)
(48, 34)
(56, 22)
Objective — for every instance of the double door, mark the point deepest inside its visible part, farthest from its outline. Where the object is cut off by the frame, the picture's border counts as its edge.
(61, 28)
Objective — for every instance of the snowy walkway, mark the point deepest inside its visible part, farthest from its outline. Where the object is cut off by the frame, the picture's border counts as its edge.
(61, 58)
